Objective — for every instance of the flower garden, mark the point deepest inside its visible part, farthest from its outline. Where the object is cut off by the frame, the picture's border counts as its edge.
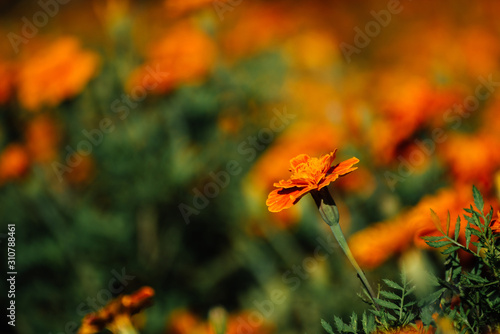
(245, 166)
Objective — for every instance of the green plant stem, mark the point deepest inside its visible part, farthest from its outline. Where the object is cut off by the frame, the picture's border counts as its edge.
(330, 214)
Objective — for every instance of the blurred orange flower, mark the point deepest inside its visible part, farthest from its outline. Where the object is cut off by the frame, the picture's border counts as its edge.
(14, 162)
(42, 136)
(180, 7)
(185, 322)
(471, 158)
(185, 54)
(83, 172)
(308, 174)
(6, 81)
(116, 315)
(259, 26)
(55, 73)
(495, 224)
(375, 244)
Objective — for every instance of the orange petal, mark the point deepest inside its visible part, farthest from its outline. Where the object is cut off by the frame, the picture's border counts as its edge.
(345, 166)
(327, 160)
(299, 159)
(290, 183)
(342, 168)
(281, 199)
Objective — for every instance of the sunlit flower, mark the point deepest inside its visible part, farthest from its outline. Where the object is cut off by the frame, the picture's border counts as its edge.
(58, 72)
(308, 174)
(116, 315)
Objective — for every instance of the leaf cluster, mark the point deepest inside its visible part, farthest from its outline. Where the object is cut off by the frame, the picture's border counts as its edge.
(393, 308)
(467, 297)
(470, 297)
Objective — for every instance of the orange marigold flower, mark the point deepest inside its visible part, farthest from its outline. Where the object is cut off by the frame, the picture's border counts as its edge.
(14, 162)
(116, 315)
(308, 174)
(58, 72)
(495, 224)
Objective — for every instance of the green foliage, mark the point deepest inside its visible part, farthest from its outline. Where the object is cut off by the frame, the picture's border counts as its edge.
(468, 297)
(392, 309)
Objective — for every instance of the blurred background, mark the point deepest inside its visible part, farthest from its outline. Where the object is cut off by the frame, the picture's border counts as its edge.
(139, 141)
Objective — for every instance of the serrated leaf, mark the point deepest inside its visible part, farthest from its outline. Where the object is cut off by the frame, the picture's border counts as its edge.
(448, 224)
(327, 327)
(410, 290)
(478, 199)
(437, 244)
(432, 298)
(392, 284)
(386, 304)
(433, 238)
(450, 249)
(436, 221)
(354, 321)
(390, 295)
(475, 232)
(368, 323)
(467, 235)
(413, 302)
(339, 323)
(457, 228)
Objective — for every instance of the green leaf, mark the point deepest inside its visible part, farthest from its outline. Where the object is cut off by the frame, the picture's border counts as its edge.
(339, 323)
(478, 199)
(386, 304)
(327, 327)
(450, 249)
(368, 323)
(457, 228)
(392, 284)
(467, 235)
(390, 295)
(433, 238)
(448, 224)
(410, 290)
(432, 298)
(437, 244)
(354, 321)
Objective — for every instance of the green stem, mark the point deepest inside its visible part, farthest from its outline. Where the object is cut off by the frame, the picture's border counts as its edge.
(337, 232)
(330, 214)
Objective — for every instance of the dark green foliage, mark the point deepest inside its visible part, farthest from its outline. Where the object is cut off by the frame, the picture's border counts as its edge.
(468, 297)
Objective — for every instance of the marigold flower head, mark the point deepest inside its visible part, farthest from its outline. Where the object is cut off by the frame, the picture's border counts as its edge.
(495, 224)
(14, 162)
(55, 73)
(308, 174)
(116, 315)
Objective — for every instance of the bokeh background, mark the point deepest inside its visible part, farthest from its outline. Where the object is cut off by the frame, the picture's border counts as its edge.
(140, 139)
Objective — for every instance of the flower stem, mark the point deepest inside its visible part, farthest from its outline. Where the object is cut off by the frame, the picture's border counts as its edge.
(330, 214)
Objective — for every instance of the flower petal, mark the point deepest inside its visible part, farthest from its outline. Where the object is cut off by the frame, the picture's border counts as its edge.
(334, 172)
(291, 183)
(345, 166)
(281, 199)
(327, 160)
(298, 160)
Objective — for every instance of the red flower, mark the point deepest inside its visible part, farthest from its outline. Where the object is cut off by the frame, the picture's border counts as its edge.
(309, 174)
